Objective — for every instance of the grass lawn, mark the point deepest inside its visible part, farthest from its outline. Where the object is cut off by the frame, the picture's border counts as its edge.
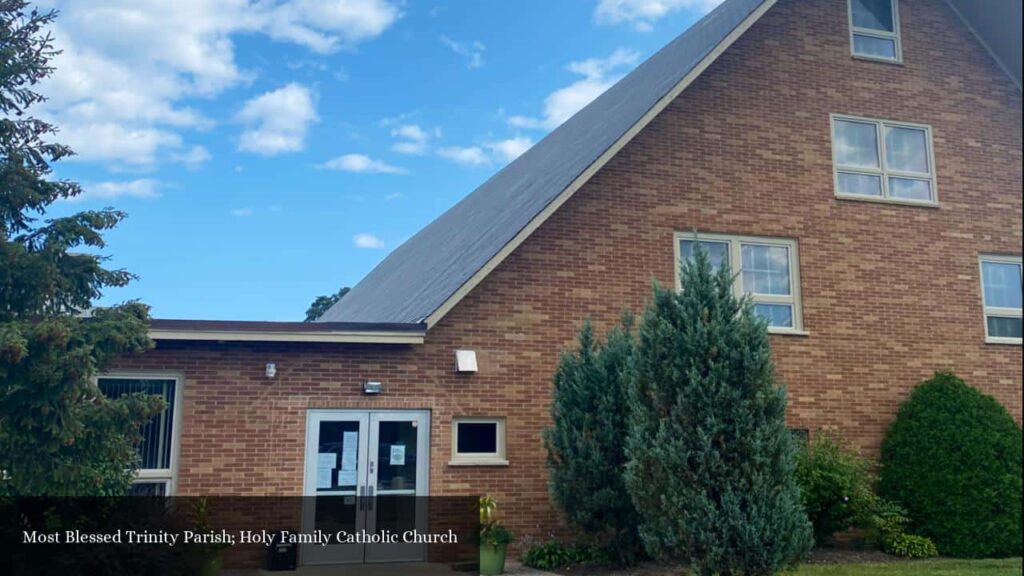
(1006, 567)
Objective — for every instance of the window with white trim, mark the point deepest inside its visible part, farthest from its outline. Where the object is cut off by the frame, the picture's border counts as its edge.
(881, 160)
(478, 441)
(768, 270)
(1001, 296)
(155, 476)
(875, 30)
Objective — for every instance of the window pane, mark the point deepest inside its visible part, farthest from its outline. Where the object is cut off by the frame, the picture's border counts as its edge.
(856, 144)
(1000, 327)
(155, 448)
(1002, 284)
(779, 315)
(874, 47)
(718, 252)
(860, 184)
(906, 149)
(153, 488)
(766, 269)
(910, 189)
(872, 14)
(477, 438)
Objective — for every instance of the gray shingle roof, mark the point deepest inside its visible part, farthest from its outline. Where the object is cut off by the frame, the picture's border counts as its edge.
(421, 274)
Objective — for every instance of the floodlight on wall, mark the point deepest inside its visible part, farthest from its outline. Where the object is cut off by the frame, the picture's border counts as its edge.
(465, 361)
(270, 370)
(370, 387)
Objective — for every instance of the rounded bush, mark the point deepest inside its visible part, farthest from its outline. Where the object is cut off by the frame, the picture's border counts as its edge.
(952, 458)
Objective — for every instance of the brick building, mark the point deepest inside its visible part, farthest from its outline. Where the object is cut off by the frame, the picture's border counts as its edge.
(858, 161)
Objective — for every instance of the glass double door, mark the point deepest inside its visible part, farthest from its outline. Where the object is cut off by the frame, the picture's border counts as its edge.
(365, 471)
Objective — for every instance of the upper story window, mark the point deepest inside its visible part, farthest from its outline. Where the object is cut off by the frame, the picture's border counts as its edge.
(883, 160)
(768, 272)
(1001, 295)
(157, 457)
(875, 30)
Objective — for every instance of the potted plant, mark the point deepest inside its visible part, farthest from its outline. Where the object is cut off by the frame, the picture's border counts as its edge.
(213, 554)
(494, 539)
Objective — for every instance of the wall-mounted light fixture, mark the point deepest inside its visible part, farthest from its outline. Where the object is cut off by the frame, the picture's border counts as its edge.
(371, 387)
(465, 361)
(271, 370)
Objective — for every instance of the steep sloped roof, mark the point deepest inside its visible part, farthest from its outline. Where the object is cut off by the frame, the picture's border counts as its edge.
(423, 273)
(425, 276)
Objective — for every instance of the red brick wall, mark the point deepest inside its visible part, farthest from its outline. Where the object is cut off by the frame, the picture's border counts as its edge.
(890, 293)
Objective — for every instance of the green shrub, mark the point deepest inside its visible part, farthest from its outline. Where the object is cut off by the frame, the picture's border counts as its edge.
(835, 485)
(586, 443)
(952, 458)
(712, 465)
(553, 554)
(910, 546)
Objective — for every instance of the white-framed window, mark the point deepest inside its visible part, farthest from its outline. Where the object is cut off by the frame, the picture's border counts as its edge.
(882, 160)
(768, 269)
(159, 449)
(1001, 297)
(875, 30)
(478, 442)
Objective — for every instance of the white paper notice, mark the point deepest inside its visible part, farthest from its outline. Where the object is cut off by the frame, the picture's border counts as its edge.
(323, 477)
(326, 460)
(349, 450)
(398, 454)
(346, 477)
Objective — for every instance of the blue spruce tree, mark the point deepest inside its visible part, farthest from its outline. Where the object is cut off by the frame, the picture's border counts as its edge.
(711, 463)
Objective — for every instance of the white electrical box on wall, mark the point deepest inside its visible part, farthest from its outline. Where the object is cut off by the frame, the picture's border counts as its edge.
(465, 361)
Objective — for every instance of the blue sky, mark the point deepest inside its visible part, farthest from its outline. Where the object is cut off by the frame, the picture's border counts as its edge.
(269, 152)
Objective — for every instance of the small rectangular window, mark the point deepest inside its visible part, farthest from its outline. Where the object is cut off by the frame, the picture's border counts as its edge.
(155, 475)
(478, 441)
(875, 30)
(881, 160)
(767, 272)
(1001, 296)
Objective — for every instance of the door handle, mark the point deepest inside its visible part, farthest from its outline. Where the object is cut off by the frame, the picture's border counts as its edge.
(369, 498)
(359, 498)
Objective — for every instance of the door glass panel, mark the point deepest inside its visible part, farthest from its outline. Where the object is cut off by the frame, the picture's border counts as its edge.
(396, 456)
(337, 456)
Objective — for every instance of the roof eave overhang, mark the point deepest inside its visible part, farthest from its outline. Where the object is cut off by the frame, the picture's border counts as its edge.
(284, 332)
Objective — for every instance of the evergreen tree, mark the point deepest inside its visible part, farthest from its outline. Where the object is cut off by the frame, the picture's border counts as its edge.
(58, 434)
(586, 443)
(711, 463)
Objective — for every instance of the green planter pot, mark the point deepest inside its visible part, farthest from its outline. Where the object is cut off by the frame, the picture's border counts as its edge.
(492, 560)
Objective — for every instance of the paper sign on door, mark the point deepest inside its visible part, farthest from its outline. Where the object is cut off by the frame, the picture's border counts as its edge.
(398, 454)
(324, 466)
(349, 450)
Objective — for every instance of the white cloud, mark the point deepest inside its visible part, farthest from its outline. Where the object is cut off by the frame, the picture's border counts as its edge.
(242, 212)
(195, 157)
(510, 149)
(642, 14)
(367, 241)
(327, 25)
(465, 155)
(361, 164)
(473, 52)
(501, 151)
(599, 74)
(127, 67)
(277, 121)
(111, 190)
(412, 139)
